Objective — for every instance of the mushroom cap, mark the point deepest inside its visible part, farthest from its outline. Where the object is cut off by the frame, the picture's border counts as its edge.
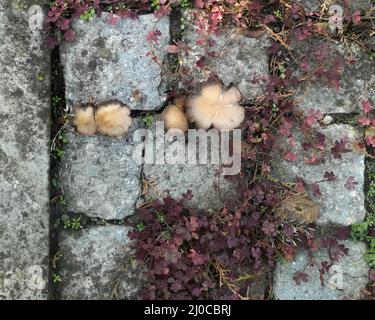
(231, 96)
(175, 118)
(212, 93)
(84, 120)
(216, 107)
(113, 118)
(229, 117)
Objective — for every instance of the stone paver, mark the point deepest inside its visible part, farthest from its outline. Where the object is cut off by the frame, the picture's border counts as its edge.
(24, 154)
(315, 5)
(338, 204)
(99, 176)
(95, 264)
(350, 272)
(209, 187)
(209, 190)
(357, 82)
(110, 61)
(239, 59)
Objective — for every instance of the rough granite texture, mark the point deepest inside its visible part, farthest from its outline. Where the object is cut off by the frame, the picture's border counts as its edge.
(353, 269)
(315, 5)
(95, 264)
(357, 82)
(99, 176)
(209, 188)
(110, 61)
(24, 155)
(240, 59)
(338, 204)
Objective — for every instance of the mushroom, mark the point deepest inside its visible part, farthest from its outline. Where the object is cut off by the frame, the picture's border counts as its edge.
(174, 116)
(216, 107)
(84, 119)
(113, 118)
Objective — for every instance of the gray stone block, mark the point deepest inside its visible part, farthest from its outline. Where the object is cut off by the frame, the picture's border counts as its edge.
(99, 176)
(315, 5)
(345, 280)
(24, 154)
(357, 82)
(338, 204)
(110, 61)
(209, 187)
(239, 59)
(96, 264)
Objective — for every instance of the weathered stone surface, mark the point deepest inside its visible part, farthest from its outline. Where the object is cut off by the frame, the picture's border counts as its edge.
(209, 188)
(110, 61)
(353, 269)
(315, 5)
(99, 176)
(357, 81)
(240, 59)
(96, 264)
(24, 154)
(338, 204)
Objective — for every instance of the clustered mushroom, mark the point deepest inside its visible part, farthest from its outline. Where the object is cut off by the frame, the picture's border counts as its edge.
(111, 118)
(214, 106)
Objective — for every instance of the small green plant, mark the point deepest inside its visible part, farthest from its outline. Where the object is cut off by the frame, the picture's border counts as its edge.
(74, 224)
(140, 226)
(278, 14)
(184, 4)
(88, 15)
(61, 200)
(103, 222)
(282, 70)
(182, 23)
(56, 101)
(275, 110)
(62, 137)
(371, 187)
(58, 153)
(148, 120)
(155, 4)
(160, 217)
(56, 278)
(360, 231)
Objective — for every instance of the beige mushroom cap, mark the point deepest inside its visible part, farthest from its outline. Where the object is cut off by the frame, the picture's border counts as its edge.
(113, 118)
(175, 118)
(84, 120)
(216, 107)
